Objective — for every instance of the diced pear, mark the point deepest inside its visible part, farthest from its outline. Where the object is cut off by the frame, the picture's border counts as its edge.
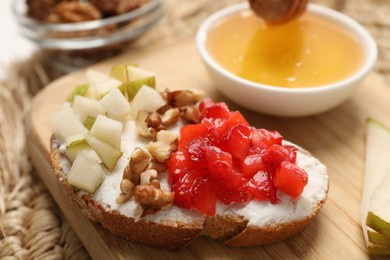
(376, 184)
(115, 105)
(107, 130)
(103, 87)
(72, 151)
(374, 249)
(148, 99)
(66, 123)
(89, 121)
(378, 218)
(107, 153)
(75, 140)
(133, 78)
(85, 107)
(80, 90)
(95, 77)
(85, 174)
(378, 238)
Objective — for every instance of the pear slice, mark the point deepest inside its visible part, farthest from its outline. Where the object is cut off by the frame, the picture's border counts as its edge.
(115, 105)
(374, 249)
(85, 107)
(103, 87)
(95, 77)
(67, 124)
(89, 121)
(375, 187)
(107, 153)
(147, 99)
(72, 151)
(86, 173)
(378, 218)
(107, 130)
(133, 78)
(80, 90)
(75, 140)
(378, 238)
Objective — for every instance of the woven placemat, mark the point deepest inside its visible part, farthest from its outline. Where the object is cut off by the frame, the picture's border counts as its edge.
(31, 225)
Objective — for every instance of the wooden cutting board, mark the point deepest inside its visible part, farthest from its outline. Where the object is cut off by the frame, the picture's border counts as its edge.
(335, 137)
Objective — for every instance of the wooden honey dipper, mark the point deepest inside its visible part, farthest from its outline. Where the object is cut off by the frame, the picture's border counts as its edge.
(278, 11)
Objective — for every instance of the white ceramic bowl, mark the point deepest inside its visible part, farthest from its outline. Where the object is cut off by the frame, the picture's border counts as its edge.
(281, 101)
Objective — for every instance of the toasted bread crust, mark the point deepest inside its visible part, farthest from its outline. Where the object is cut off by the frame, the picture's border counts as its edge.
(231, 230)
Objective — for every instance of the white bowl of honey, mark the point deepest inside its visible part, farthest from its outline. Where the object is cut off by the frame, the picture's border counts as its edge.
(303, 67)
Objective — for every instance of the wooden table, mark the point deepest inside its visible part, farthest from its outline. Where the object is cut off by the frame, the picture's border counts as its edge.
(335, 137)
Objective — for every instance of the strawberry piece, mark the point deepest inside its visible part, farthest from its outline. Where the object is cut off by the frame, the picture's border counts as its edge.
(224, 175)
(251, 165)
(274, 156)
(204, 192)
(183, 190)
(214, 110)
(190, 132)
(227, 196)
(260, 186)
(214, 154)
(217, 128)
(177, 166)
(236, 118)
(264, 137)
(292, 152)
(290, 179)
(237, 141)
(205, 104)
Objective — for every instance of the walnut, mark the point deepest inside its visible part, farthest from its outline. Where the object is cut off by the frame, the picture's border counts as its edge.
(191, 114)
(73, 12)
(118, 6)
(139, 162)
(170, 116)
(147, 176)
(183, 98)
(152, 198)
(40, 9)
(156, 165)
(127, 188)
(166, 143)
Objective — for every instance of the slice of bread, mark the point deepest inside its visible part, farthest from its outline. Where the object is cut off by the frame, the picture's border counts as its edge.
(252, 224)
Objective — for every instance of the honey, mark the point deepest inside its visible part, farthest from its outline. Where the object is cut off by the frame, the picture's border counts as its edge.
(306, 52)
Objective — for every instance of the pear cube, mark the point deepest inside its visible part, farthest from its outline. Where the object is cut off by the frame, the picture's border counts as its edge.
(107, 153)
(85, 174)
(107, 130)
(67, 124)
(115, 105)
(148, 99)
(85, 107)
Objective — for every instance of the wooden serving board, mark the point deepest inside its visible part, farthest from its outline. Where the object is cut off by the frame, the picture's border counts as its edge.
(335, 137)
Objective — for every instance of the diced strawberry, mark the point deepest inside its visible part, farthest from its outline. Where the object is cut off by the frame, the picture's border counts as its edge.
(237, 141)
(204, 192)
(215, 110)
(217, 128)
(197, 153)
(238, 195)
(177, 166)
(251, 165)
(224, 175)
(260, 186)
(214, 154)
(236, 118)
(205, 104)
(292, 151)
(290, 179)
(274, 156)
(265, 137)
(190, 132)
(183, 190)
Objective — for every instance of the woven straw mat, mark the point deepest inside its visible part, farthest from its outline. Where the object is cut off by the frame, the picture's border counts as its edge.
(31, 225)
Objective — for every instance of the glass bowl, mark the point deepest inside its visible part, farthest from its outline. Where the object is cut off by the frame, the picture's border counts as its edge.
(75, 45)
